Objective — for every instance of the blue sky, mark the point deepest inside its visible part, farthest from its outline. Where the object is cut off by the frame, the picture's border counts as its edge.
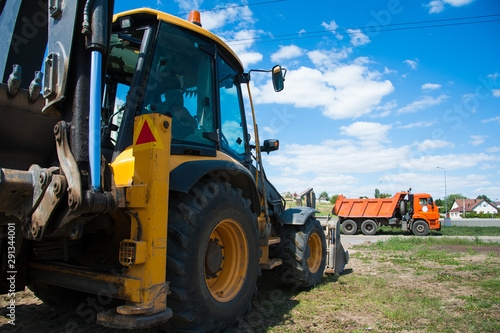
(365, 109)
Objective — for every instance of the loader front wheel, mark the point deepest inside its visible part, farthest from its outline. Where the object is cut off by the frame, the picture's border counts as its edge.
(303, 251)
(212, 258)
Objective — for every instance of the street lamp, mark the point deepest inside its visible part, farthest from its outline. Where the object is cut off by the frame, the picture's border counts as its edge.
(445, 197)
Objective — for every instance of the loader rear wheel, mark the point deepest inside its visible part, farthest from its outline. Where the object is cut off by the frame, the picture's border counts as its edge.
(212, 258)
(369, 227)
(349, 227)
(303, 251)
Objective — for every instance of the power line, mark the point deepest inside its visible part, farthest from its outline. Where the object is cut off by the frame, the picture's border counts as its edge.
(367, 29)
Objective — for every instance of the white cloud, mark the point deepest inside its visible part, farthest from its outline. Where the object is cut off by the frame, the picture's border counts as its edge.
(458, 3)
(242, 49)
(367, 131)
(358, 38)
(188, 5)
(332, 26)
(343, 166)
(449, 162)
(487, 166)
(384, 110)
(493, 150)
(435, 6)
(333, 164)
(433, 144)
(496, 92)
(347, 157)
(328, 58)
(418, 124)
(497, 118)
(422, 103)
(340, 91)
(412, 63)
(250, 58)
(431, 86)
(287, 52)
(476, 140)
(494, 76)
(217, 19)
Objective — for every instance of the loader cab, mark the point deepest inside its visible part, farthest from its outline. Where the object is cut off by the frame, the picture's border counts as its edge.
(161, 64)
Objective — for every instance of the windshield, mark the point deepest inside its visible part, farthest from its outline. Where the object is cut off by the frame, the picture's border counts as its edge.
(180, 85)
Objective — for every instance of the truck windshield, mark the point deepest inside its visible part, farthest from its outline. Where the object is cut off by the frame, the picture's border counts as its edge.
(423, 201)
(180, 85)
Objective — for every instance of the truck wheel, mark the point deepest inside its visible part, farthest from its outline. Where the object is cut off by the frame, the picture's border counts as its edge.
(212, 258)
(420, 228)
(303, 251)
(369, 227)
(349, 227)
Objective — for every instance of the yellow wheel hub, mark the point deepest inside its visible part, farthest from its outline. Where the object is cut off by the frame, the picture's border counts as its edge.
(314, 260)
(226, 260)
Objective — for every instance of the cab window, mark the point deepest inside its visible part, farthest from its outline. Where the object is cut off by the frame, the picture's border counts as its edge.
(232, 133)
(423, 201)
(180, 85)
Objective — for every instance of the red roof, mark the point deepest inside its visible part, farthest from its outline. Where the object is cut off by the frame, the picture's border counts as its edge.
(469, 204)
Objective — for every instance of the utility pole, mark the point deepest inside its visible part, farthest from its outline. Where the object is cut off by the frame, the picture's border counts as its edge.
(445, 199)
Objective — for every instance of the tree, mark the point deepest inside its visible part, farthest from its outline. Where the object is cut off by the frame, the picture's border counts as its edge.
(377, 193)
(452, 197)
(385, 195)
(484, 197)
(333, 199)
(363, 197)
(325, 194)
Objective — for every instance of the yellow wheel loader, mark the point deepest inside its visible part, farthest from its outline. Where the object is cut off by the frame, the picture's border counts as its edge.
(127, 170)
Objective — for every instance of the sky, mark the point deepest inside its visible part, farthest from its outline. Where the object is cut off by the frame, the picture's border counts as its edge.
(378, 94)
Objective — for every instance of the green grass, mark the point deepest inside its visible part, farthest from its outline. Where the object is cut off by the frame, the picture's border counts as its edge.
(403, 284)
(468, 231)
(447, 231)
(423, 243)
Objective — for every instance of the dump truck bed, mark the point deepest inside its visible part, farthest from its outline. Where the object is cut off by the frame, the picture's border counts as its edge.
(374, 208)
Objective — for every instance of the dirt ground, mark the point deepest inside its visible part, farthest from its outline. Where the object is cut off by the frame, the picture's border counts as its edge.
(32, 315)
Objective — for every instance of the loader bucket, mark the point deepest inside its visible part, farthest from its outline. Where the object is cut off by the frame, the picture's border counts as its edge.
(336, 256)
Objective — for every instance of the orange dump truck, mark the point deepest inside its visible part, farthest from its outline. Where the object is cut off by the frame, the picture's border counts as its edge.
(416, 213)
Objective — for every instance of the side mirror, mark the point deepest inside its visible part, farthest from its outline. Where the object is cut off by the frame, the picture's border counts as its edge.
(270, 145)
(278, 78)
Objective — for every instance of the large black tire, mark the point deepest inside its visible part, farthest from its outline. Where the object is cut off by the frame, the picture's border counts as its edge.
(420, 228)
(369, 227)
(212, 258)
(349, 227)
(303, 251)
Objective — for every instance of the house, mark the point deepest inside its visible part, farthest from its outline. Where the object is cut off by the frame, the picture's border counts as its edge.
(461, 206)
(323, 199)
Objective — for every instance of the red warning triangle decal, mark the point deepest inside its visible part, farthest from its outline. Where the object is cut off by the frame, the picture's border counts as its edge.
(146, 135)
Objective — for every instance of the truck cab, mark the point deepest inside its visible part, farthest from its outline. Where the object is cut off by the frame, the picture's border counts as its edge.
(425, 209)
